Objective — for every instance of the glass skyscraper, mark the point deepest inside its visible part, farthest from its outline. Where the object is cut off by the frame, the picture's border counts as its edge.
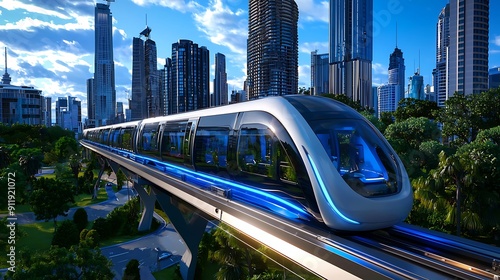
(440, 73)
(190, 70)
(138, 103)
(351, 49)
(272, 48)
(220, 81)
(319, 73)
(104, 67)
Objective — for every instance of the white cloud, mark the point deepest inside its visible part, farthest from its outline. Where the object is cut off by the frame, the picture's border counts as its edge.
(496, 40)
(305, 76)
(309, 47)
(311, 11)
(179, 5)
(378, 68)
(30, 24)
(223, 26)
(18, 5)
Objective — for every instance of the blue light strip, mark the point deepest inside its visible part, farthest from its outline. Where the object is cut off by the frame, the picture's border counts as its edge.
(325, 192)
(267, 198)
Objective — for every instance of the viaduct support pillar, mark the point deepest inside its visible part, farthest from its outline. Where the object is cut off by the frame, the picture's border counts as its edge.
(148, 200)
(190, 223)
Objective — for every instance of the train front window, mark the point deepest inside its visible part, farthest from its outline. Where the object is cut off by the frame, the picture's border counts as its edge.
(360, 156)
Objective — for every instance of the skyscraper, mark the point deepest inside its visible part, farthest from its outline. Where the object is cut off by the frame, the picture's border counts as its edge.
(190, 77)
(104, 66)
(220, 81)
(468, 51)
(47, 111)
(90, 122)
(494, 78)
(272, 48)
(440, 73)
(138, 103)
(151, 76)
(416, 87)
(351, 49)
(320, 69)
(397, 72)
(165, 86)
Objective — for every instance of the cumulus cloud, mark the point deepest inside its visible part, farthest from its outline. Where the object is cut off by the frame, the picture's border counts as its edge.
(224, 27)
(179, 5)
(378, 68)
(309, 10)
(496, 40)
(305, 76)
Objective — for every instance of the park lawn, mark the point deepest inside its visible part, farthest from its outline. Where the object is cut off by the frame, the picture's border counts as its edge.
(82, 200)
(37, 236)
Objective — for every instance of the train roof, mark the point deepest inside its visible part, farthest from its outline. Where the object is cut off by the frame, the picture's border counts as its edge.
(310, 107)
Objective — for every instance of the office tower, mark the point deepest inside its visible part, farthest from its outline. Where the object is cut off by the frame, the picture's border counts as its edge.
(190, 77)
(220, 81)
(104, 67)
(351, 49)
(397, 72)
(272, 48)
(138, 103)
(90, 122)
(120, 116)
(440, 73)
(151, 76)
(19, 104)
(47, 111)
(165, 86)
(320, 70)
(69, 113)
(494, 78)
(386, 100)
(416, 87)
(468, 50)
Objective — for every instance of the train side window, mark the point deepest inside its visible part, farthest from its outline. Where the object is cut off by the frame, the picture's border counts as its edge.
(211, 143)
(113, 137)
(127, 135)
(173, 141)
(105, 136)
(255, 150)
(149, 140)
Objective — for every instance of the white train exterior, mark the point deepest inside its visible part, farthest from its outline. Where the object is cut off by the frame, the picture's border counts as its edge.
(307, 158)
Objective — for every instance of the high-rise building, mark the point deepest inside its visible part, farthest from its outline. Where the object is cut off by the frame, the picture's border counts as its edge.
(90, 103)
(19, 104)
(120, 115)
(351, 49)
(387, 98)
(468, 50)
(165, 86)
(494, 78)
(220, 81)
(320, 69)
(47, 111)
(190, 78)
(272, 48)
(152, 77)
(397, 72)
(69, 113)
(416, 87)
(138, 103)
(104, 67)
(440, 73)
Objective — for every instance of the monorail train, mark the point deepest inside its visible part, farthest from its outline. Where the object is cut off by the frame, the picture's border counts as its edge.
(303, 157)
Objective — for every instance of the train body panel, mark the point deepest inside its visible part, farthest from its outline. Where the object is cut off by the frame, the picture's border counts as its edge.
(303, 157)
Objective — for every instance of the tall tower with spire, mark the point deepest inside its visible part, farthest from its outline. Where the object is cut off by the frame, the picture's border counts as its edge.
(6, 77)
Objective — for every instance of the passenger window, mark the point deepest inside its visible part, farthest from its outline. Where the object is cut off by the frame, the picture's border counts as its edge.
(212, 142)
(126, 138)
(173, 141)
(149, 140)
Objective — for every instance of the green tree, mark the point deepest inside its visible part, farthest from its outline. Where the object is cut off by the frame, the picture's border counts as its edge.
(410, 133)
(410, 107)
(304, 90)
(75, 165)
(229, 255)
(30, 166)
(356, 105)
(50, 198)
(4, 157)
(132, 270)
(66, 235)
(65, 147)
(80, 218)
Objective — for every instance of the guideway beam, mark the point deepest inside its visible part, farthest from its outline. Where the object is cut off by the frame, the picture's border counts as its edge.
(189, 222)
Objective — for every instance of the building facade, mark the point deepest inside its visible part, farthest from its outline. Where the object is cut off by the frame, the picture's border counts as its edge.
(69, 113)
(104, 67)
(494, 78)
(440, 73)
(90, 121)
(396, 72)
(351, 49)
(138, 103)
(416, 87)
(47, 111)
(272, 48)
(469, 45)
(220, 95)
(190, 79)
(386, 100)
(320, 72)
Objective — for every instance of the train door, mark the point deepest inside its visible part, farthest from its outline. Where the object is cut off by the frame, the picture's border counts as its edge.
(188, 144)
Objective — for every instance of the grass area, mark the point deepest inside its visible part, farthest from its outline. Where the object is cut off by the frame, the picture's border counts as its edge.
(37, 236)
(20, 208)
(167, 273)
(82, 200)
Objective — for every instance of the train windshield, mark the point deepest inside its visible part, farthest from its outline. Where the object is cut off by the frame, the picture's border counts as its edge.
(360, 156)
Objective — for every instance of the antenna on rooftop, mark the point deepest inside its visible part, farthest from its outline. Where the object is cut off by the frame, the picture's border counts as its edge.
(5, 59)
(396, 34)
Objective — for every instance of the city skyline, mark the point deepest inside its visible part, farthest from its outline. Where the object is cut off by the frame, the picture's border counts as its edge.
(52, 49)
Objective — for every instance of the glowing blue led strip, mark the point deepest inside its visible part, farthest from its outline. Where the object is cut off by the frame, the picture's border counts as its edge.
(325, 192)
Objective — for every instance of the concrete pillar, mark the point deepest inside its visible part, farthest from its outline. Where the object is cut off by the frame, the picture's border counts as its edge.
(189, 222)
(148, 200)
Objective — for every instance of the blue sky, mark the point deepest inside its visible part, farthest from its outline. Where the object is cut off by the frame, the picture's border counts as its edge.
(51, 42)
